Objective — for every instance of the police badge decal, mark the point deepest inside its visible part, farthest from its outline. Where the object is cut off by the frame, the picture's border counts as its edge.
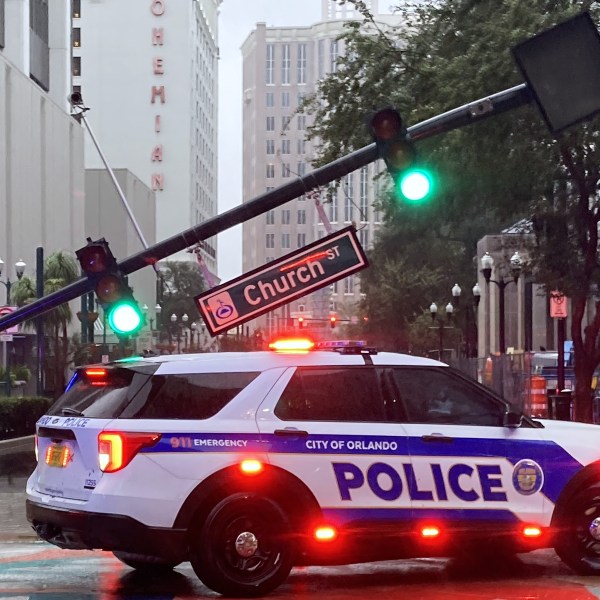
(528, 477)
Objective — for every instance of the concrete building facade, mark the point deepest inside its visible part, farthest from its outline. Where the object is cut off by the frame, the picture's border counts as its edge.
(282, 66)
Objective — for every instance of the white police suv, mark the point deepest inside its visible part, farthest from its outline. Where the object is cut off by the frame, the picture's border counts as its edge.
(247, 464)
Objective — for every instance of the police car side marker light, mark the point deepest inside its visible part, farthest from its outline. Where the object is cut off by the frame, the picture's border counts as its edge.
(430, 532)
(531, 531)
(325, 533)
(117, 449)
(35, 447)
(251, 466)
(292, 345)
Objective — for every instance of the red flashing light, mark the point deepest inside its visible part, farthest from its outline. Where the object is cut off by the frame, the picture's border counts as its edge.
(430, 532)
(332, 321)
(300, 322)
(292, 345)
(325, 533)
(251, 466)
(117, 449)
(531, 531)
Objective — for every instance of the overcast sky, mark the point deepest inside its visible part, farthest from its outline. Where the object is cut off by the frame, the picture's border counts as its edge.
(237, 19)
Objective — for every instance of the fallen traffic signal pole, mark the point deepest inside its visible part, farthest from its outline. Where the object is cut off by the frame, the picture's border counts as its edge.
(459, 117)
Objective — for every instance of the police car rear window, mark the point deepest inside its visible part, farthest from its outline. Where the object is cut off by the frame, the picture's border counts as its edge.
(100, 395)
(187, 395)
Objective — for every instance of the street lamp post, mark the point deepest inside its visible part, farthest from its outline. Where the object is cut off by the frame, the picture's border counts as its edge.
(470, 339)
(516, 266)
(433, 309)
(19, 270)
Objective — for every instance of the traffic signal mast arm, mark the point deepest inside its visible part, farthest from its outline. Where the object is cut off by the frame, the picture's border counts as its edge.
(458, 117)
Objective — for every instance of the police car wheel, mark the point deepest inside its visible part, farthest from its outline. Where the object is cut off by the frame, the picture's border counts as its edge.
(578, 542)
(142, 562)
(244, 547)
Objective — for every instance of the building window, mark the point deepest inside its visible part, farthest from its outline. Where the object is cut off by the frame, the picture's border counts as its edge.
(301, 240)
(333, 210)
(301, 96)
(349, 285)
(285, 169)
(301, 63)
(348, 209)
(302, 217)
(301, 169)
(285, 240)
(270, 171)
(285, 146)
(76, 66)
(76, 32)
(285, 99)
(270, 123)
(334, 288)
(270, 65)
(285, 64)
(363, 237)
(270, 240)
(269, 100)
(301, 146)
(321, 57)
(333, 55)
(301, 198)
(301, 122)
(76, 9)
(270, 146)
(270, 217)
(364, 194)
(285, 216)
(285, 123)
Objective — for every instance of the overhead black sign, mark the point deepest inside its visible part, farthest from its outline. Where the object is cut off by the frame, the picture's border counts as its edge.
(281, 281)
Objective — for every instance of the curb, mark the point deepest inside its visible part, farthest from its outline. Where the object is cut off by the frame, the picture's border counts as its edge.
(12, 446)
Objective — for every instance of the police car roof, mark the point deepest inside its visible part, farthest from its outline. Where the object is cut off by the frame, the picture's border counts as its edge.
(263, 360)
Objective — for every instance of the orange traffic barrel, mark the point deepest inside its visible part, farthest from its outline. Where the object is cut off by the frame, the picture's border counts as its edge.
(538, 401)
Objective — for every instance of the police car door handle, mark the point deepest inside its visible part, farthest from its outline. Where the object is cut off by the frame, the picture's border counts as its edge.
(291, 432)
(437, 437)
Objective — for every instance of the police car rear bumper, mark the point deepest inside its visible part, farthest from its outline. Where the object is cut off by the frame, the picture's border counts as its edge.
(81, 530)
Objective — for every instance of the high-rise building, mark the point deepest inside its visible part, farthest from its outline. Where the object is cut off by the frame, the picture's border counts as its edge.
(281, 66)
(41, 146)
(147, 70)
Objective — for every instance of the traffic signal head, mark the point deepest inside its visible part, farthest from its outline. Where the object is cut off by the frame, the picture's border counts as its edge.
(300, 322)
(98, 263)
(332, 321)
(411, 182)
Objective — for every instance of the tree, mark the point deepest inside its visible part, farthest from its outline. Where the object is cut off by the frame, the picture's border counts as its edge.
(60, 269)
(180, 282)
(447, 53)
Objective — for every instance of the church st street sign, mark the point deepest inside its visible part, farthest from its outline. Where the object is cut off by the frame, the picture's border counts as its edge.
(281, 281)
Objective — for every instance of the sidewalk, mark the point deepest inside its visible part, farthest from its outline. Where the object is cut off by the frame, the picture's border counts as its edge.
(16, 463)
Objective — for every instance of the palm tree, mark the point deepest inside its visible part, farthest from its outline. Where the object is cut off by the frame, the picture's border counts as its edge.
(60, 270)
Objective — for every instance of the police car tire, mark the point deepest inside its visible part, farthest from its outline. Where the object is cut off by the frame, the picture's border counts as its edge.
(142, 562)
(220, 566)
(575, 546)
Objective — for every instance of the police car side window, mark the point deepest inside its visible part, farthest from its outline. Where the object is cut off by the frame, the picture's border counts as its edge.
(435, 396)
(187, 396)
(331, 394)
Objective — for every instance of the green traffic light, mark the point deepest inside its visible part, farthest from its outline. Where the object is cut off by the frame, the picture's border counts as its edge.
(416, 185)
(125, 318)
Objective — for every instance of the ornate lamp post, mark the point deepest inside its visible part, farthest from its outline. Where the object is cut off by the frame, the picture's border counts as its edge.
(470, 332)
(516, 266)
(19, 270)
(433, 309)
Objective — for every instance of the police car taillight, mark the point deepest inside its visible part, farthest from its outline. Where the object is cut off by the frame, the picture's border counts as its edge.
(35, 447)
(117, 449)
(292, 345)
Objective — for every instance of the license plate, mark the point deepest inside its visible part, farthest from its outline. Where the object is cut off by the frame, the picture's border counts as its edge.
(58, 455)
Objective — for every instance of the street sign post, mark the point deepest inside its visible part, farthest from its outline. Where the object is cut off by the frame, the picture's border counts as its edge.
(281, 281)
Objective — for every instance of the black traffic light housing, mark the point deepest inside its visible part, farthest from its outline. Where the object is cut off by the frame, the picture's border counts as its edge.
(395, 147)
(111, 287)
